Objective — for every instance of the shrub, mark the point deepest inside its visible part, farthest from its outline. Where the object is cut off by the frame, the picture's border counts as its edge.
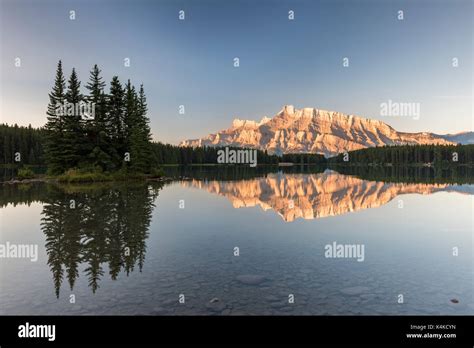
(76, 176)
(81, 176)
(25, 173)
(157, 173)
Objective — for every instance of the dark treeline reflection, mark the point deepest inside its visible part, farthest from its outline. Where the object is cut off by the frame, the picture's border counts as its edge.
(100, 227)
(402, 174)
(22, 194)
(411, 174)
(237, 172)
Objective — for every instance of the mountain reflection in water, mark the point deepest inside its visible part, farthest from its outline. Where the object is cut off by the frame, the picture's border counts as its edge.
(312, 196)
(101, 230)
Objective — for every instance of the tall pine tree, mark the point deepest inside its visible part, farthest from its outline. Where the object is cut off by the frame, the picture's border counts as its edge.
(140, 136)
(96, 129)
(115, 117)
(131, 112)
(75, 145)
(54, 128)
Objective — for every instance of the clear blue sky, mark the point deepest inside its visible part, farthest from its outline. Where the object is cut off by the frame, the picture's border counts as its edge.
(281, 62)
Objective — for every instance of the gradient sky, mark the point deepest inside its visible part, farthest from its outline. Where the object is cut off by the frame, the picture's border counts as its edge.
(281, 62)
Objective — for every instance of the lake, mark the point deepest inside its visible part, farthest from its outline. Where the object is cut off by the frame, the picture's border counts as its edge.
(242, 241)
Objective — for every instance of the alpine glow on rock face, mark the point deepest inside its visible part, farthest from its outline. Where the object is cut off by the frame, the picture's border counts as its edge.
(317, 131)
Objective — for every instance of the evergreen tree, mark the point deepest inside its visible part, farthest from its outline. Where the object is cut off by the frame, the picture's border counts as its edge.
(75, 145)
(96, 128)
(54, 137)
(115, 117)
(130, 118)
(140, 135)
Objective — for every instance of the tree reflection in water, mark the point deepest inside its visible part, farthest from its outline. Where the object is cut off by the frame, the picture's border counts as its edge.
(98, 226)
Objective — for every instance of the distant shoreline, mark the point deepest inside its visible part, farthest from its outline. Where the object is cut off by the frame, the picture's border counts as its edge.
(88, 178)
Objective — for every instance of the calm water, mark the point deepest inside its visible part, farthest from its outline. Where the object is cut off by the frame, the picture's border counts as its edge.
(134, 248)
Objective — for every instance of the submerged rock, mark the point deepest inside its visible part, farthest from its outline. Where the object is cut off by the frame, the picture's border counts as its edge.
(216, 305)
(355, 290)
(160, 311)
(250, 279)
(272, 298)
(169, 302)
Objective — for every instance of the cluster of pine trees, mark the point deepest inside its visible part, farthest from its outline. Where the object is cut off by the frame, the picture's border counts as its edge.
(409, 154)
(171, 154)
(20, 144)
(117, 135)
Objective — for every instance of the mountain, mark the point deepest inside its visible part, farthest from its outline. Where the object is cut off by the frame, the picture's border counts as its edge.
(313, 196)
(312, 130)
(464, 138)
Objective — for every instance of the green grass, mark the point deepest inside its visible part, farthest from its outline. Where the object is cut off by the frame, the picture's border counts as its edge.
(75, 176)
(25, 173)
(80, 176)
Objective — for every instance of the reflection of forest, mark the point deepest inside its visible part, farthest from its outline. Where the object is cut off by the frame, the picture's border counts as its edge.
(406, 174)
(96, 226)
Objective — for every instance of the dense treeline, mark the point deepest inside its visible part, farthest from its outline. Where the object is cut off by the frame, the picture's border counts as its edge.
(20, 144)
(303, 158)
(171, 154)
(409, 155)
(30, 141)
(107, 131)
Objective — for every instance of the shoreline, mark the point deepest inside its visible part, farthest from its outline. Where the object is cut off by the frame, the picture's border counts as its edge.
(49, 180)
(111, 178)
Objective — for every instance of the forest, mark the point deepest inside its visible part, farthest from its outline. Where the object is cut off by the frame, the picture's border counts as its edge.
(409, 154)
